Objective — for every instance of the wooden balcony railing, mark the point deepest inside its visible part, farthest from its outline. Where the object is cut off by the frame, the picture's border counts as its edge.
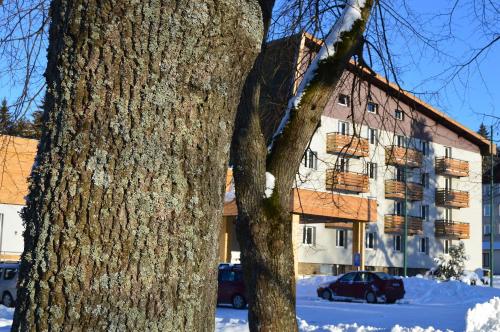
(452, 229)
(349, 181)
(347, 144)
(394, 224)
(452, 167)
(396, 190)
(396, 155)
(452, 198)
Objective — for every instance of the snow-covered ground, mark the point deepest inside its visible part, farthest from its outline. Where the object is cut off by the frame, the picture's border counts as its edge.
(428, 306)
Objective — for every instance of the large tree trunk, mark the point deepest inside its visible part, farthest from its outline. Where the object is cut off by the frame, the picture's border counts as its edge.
(126, 196)
(264, 221)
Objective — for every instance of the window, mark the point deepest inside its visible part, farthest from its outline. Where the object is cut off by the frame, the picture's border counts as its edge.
(401, 141)
(311, 159)
(399, 174)
(446, 246)
(399, 208)
(486, 229)
(399, 115)
(447, 152)
(10, 273)
(448, 214)
(396, 242)
(342, 165)
(486, 210)
(348, 277)
(344, 100)
(341, 238)
(448, 184)
(343, 128)
(423, 246)
(371, 170)
(425, 180)
(309, 235)
(372, 135)
(424, 212)
(425, 148)
(229, 275)
(486, 259)
(372, 107)
(370, 240)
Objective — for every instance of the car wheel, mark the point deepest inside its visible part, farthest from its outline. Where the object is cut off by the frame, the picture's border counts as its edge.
(327, 295)
(7, 300)
(370, 297)
(239, 302)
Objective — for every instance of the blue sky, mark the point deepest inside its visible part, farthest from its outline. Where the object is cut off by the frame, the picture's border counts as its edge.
(474, 91)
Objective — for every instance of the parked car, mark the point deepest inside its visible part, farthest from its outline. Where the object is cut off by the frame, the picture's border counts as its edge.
(8, 282)
(231, 288)
(370, 286)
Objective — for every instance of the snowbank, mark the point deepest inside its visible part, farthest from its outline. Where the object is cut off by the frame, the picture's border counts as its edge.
(484, 316)
(306, 287)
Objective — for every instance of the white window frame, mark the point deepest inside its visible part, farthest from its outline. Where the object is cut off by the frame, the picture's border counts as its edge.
(342, 165)
(372, 135)
(371, 240)
(306, 235)
(371, 170)
(311, 159)
(425, 180)
(425, 147)
(338, 238)
(347, 98)
(394, 243)
(448, 152)
(486, 210)
(375, 107)
(446, 246)
(486, 229)
(424, 212)
(342, 125)
(423, 245)
(401, 141)
(399, 114)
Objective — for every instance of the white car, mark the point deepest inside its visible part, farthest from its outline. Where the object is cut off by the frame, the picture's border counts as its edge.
(9, 273)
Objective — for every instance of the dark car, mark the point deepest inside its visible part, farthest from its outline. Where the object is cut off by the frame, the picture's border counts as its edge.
(370, 286)
(231, 286)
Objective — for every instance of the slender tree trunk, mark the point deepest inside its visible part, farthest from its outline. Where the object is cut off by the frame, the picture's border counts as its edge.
(264, 227)
(126, 196)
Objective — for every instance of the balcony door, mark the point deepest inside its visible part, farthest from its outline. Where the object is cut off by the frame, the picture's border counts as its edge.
(399, 174)
(447, 152)
(343, 128)
(399, 208)
(448, 184)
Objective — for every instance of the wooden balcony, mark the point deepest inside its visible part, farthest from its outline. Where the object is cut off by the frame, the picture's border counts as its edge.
(396, 155)
(394, 224)
(396, 190)
(452, 198)
(347, 144)
(452, 229)
(349, 181)
(452, 167)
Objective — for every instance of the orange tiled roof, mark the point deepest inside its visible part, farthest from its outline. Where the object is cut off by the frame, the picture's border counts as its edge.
(17, 156)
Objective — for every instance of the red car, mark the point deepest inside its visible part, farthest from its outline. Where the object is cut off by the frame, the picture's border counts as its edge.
(370, 286)
(231, 286)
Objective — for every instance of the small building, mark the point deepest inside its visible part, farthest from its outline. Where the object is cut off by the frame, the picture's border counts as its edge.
(16, 160)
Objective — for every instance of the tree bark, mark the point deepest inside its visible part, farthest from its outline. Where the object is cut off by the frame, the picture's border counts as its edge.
(126, 195)
(264, 227)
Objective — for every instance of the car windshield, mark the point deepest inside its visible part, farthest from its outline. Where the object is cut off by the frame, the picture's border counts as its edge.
(383, 275)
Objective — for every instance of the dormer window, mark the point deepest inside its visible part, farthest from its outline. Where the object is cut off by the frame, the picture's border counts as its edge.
(344, 100)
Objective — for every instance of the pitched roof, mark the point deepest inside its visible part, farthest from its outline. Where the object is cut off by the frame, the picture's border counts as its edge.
(272, 116)
(17, 156)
